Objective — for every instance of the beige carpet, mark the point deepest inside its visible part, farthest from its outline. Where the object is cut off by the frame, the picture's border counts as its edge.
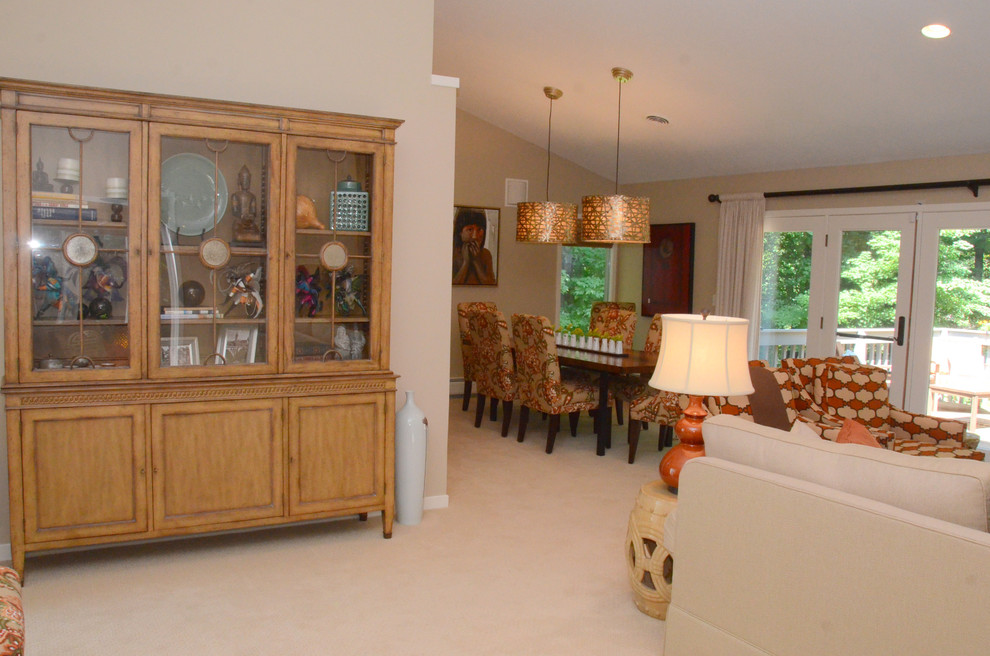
(528, 559)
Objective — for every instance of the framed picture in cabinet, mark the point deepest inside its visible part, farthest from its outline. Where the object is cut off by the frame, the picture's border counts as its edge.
(475, 245)
(237, 344)
(180, 351)
(668, 269)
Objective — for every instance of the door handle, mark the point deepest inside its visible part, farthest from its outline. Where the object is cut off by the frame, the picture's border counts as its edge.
(898, 337)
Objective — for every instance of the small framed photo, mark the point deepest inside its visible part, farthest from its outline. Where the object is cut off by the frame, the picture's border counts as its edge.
(180, 351)
(237, 344)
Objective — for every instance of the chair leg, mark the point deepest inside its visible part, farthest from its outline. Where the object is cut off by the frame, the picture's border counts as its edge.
(493, 416)
(523, 418)
(552, 429)
(634, 428)
(506, 416)
(573, 418)
(618, 411)
(479, 412)
(467, 395)
(666, 437)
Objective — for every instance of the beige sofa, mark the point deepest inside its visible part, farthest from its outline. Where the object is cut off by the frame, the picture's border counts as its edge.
(785, 544)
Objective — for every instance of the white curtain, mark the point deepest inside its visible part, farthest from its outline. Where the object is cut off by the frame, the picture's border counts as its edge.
(740, 261)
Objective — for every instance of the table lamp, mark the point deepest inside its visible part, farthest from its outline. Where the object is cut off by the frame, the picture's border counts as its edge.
(700, 355)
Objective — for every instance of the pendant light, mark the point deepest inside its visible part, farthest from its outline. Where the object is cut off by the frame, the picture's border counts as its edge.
(617, 218)
(547, 222)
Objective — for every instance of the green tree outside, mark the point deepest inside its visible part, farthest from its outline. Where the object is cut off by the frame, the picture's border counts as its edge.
(583, 280)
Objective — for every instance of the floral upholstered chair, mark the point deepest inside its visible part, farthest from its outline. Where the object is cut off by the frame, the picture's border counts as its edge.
(539, 383)
(825, 392)
(494, 365)
(11, 614)
(612, 321)
(467, 355)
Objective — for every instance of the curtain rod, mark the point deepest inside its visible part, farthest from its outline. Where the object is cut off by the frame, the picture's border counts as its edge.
(972, 185)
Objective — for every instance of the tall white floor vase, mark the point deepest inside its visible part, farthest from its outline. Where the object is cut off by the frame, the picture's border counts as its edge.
(410, 462)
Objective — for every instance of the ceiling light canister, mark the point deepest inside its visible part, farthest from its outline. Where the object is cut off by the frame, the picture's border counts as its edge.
(936, 31)
(617, 218)
(547, 222)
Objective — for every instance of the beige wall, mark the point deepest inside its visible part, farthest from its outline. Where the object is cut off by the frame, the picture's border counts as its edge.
(527, 273)
(336, 55)
(685, 201)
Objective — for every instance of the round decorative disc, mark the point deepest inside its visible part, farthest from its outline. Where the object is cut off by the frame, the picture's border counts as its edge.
(79, 249)
(333, 256)
(214, 253)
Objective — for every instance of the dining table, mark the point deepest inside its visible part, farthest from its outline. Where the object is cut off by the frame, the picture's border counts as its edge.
(606, 365)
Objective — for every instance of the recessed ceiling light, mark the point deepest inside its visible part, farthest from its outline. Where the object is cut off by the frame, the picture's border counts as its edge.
(658, 119)
(936, 31)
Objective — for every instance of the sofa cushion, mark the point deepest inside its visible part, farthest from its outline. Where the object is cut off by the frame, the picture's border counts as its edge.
(953, 490)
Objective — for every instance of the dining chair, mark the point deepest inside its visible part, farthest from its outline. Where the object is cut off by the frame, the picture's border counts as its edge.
(610, 319)
(467, 355)
(494, 364)
(539, 382)
(601, 306)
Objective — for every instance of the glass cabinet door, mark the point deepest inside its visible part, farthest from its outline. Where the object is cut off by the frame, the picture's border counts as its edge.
(214, 226)
(79, 209)
(334, 246)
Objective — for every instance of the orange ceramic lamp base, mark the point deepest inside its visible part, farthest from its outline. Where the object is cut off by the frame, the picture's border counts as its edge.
(690, 443)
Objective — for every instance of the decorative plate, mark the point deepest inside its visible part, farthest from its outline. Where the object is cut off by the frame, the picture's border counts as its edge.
(333, 256)
(79, 249)
(188, 194)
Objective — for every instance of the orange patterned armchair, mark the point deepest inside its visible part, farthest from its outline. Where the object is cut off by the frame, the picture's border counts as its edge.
(467, 355)
(11, 614)
(825, 392)
(494, 367)
(539, 382)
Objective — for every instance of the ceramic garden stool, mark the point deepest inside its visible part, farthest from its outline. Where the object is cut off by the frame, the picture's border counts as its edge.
(650, 564)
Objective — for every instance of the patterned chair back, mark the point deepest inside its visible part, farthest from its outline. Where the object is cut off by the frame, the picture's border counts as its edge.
(654, 335)
(467, 355)
(612, 321)
(492, 347)
(601, 306)
(537, 368)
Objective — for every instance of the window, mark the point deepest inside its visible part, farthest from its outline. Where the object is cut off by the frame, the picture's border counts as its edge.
(585, 277)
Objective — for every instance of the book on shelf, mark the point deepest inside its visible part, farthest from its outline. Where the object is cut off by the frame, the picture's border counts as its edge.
(57, 203)
(188, 313)
(62, 213)
(54, 195)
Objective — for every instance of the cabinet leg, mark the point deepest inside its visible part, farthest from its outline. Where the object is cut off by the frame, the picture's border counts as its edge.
(363, 517)
(387, 517)
(17, 558)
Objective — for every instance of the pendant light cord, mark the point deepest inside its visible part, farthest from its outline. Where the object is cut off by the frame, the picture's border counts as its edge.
(618, 128)
(549, 123)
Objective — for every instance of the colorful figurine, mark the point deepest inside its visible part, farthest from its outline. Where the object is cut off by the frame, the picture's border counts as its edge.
(308, 291)
(243, 289)
(49, 287)
(348, 290)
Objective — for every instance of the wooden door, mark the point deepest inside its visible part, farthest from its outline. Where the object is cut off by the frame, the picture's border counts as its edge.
(84, 472)
(336, 453)
(216, 462)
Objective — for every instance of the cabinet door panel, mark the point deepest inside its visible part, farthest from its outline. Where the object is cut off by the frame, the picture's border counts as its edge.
(337, 452)
(216, 464)
(84, 473)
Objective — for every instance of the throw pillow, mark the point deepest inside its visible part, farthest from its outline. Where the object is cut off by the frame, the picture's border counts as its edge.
(766, 400)
(803, 431)
(853, 432)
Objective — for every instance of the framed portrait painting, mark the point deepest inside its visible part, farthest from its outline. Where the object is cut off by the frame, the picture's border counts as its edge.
(475, 245)
(668, 269)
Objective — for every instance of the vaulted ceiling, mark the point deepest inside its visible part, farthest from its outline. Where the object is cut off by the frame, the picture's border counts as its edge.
(747, 86)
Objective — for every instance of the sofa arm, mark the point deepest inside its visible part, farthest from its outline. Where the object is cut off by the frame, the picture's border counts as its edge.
(11, 614)
(925, 428)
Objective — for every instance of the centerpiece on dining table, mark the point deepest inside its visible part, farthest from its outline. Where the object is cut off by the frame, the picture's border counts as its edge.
(588, 340)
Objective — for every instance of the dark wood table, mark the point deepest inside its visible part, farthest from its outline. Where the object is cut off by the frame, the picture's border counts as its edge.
(634, 362)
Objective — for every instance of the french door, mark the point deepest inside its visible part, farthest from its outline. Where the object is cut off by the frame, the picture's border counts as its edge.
(845, 279)
(903, 288)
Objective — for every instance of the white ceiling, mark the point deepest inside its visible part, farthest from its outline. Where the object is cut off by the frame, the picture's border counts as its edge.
(747, 86)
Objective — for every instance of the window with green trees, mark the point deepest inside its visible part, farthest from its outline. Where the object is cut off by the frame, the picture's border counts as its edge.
(584, 279)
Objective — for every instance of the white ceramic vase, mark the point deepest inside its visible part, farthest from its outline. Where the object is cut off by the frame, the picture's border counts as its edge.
(410, 462)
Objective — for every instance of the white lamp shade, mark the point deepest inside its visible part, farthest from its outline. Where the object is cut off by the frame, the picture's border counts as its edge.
(705, 357)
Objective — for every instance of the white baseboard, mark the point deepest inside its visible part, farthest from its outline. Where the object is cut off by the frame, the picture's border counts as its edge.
(457, 387)
(430, 503)
(5, 552)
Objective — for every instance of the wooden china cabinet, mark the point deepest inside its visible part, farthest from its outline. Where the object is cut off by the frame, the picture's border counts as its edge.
(196, 315)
